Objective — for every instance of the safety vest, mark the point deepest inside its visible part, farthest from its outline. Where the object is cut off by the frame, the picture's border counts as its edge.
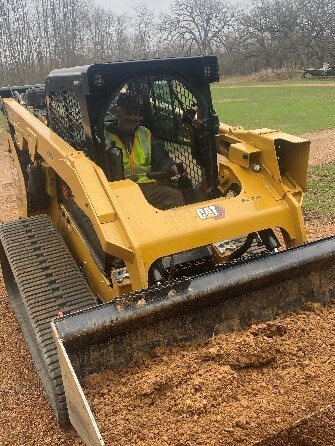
(137, 161)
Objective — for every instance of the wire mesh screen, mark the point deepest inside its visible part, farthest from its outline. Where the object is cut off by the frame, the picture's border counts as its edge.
(65, 118)
(172, 112)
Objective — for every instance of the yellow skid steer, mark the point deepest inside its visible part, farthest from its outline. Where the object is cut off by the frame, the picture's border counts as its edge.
(97, 275)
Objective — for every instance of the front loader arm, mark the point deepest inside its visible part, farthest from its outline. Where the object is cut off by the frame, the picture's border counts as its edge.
(88, 186)
(278, 159)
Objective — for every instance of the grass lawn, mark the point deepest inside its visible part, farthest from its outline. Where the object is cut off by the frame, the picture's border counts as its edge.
(292, 106)
(320, 196)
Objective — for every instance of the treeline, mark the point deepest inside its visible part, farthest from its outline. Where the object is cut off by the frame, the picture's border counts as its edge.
(39, 35)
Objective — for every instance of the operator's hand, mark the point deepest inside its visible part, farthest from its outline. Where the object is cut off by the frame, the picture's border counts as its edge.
(179, 169)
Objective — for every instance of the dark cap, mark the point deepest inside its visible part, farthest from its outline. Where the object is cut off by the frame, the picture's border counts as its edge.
(128, 100)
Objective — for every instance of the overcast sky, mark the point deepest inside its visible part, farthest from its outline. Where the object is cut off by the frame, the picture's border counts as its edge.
(120, 6)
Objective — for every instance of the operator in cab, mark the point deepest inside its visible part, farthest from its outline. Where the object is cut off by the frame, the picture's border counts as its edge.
(141, 154)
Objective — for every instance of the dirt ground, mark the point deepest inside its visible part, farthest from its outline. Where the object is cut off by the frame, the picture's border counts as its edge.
(233, 390)
(322, 146)
(27, 419)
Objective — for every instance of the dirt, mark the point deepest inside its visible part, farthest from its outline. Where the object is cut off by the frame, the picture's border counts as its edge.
(246, 372)
(235, 389)
(322, 146)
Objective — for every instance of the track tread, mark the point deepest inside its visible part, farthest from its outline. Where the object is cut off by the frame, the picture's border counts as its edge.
(48, 281)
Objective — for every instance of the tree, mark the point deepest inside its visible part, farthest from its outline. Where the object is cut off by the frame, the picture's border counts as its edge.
(143, 31)
(121, 36)
(197, 26)
(287, 33)
(59, 28)
(317, 27)
(99, 35)
(17, 45)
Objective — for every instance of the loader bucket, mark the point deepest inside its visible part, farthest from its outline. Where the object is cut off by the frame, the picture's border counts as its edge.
(112, 335)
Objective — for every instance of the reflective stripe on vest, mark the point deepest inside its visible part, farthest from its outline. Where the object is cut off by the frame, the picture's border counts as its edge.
(138, 161)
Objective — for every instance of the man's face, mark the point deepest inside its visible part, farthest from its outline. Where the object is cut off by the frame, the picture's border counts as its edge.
(128, 118)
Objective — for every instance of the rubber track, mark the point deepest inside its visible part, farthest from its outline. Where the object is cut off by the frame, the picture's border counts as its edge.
(45, 280)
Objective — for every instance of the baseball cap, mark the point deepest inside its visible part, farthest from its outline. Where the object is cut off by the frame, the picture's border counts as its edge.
(128, 100)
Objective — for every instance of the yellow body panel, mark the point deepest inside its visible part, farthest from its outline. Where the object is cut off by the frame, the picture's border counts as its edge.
(268, 166)
(17, 175)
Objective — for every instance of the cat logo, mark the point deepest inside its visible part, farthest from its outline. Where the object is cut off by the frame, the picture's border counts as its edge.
(213, 211)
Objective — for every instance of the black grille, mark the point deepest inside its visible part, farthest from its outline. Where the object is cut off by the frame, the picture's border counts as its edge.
(211, 69)
(173, 113)
(65, 118)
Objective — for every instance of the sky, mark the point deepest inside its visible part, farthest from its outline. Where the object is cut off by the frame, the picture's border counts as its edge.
(121, 6)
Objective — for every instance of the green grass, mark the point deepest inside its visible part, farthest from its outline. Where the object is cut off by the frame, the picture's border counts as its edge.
(320, 197)
(291, 106)
(296, 81)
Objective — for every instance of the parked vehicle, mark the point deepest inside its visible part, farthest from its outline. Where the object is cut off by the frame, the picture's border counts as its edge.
(325, 71)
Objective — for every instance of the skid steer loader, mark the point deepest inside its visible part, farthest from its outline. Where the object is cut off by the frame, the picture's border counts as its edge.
(97, 275)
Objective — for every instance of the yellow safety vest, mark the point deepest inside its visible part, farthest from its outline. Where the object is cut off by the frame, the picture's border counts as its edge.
(138, 160)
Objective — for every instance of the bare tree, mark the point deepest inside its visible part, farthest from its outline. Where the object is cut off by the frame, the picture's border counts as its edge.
(100, 35)
(287, 33)
(121, 36)
(143, 23)
(17, 54)
(198, 26)
(59, 28)
(317, 29)
(39, 35)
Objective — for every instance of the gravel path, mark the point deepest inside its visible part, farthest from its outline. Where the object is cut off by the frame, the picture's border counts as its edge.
(25, 415)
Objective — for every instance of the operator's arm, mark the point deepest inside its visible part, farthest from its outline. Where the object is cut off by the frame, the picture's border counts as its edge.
(161, 159)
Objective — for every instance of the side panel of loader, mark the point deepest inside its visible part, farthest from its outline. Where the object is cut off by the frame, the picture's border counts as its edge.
(80, 414)
(17, 176)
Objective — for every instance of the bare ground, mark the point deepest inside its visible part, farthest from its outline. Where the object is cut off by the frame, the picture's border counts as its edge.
(235, 389)
(322, 146)
(26, 417)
